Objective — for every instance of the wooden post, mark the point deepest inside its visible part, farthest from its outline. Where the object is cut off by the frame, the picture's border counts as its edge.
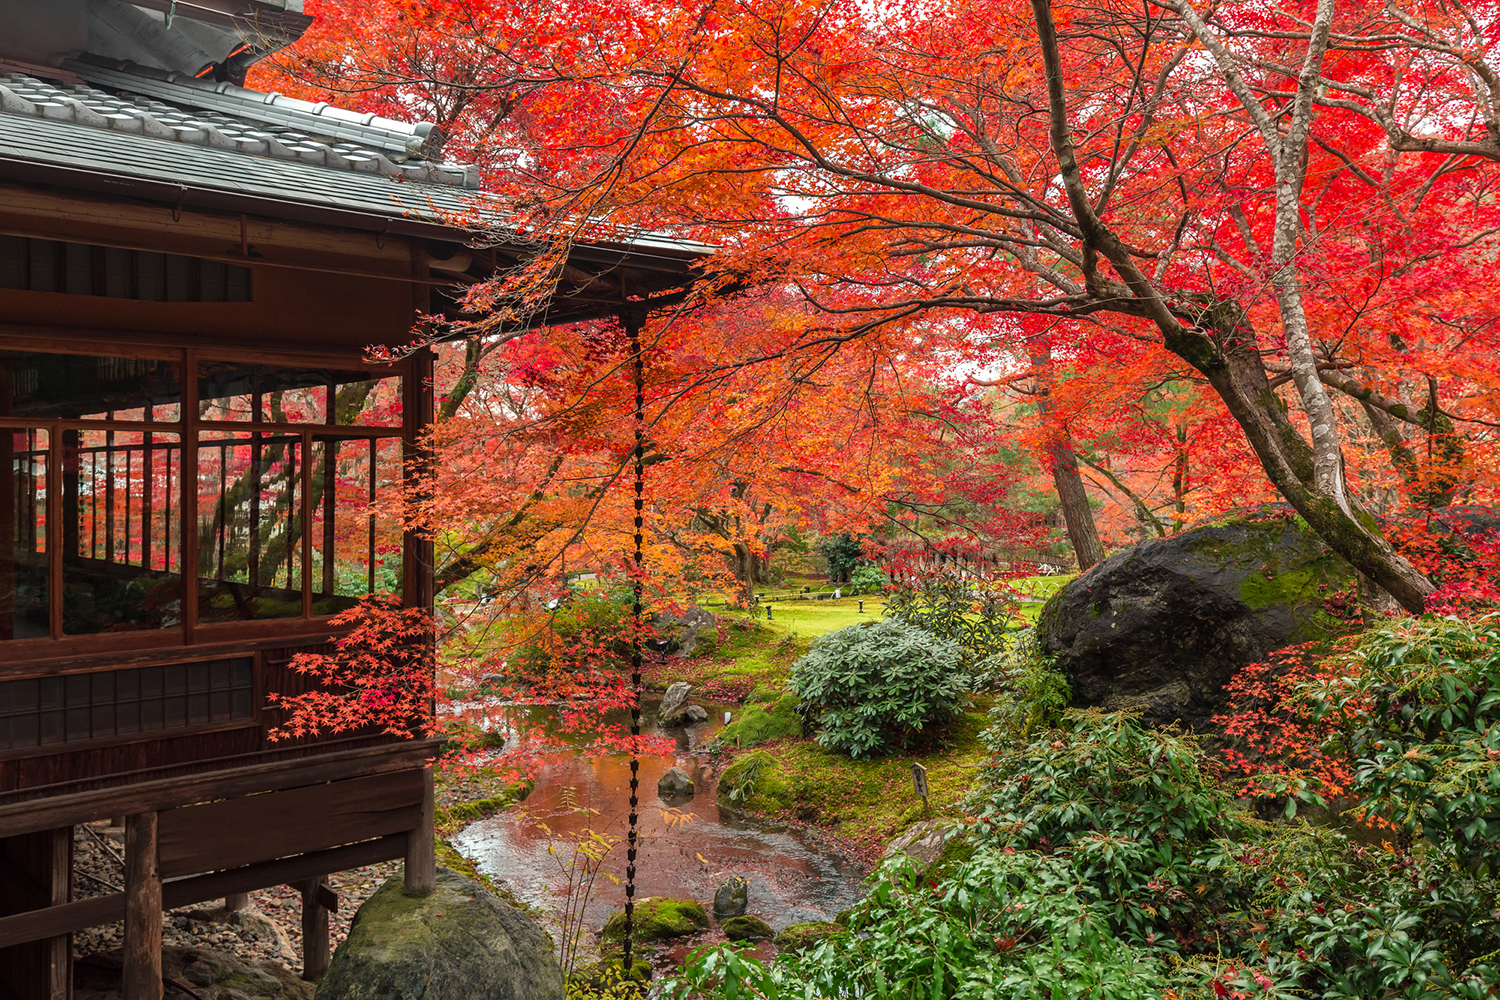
(315, 951)
(421, 857)
(236, 901)
(142, 973)
(60, 948)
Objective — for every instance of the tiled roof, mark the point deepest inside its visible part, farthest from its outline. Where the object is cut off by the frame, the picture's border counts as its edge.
(233, 120)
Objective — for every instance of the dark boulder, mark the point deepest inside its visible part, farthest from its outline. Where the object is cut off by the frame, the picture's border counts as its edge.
(675, 784)
(686, 631)
(746, 928)
(1161, 627)
(458, 943)
(732, 898)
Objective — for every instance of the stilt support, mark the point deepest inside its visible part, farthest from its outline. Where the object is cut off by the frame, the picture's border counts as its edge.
(142, 972)
(421, 858)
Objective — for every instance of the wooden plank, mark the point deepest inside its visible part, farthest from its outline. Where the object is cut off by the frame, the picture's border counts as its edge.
(242, 831)
(60, 947)
(84, 807)
(43, 923)
(421, 850)
(34, 925)
(141, 978)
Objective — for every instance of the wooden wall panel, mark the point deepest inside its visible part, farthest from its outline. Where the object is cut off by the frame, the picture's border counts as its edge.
(244, 831)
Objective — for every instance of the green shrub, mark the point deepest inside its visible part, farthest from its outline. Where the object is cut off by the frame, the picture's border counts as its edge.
(971, 614)
(1032, 690)
(878, 685)
(867, 579)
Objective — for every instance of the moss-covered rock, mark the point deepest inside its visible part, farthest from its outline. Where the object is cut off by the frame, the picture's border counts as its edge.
(658, 918)
(607, 978)
(458, 943)
(800, 937)
(760, 722)
(746, 928)
(1161, 627)
(755, 782)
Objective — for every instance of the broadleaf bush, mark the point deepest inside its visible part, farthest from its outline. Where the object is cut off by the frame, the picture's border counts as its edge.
(878, 686)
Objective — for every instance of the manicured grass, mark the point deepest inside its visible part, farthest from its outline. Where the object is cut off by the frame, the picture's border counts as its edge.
(815, 618)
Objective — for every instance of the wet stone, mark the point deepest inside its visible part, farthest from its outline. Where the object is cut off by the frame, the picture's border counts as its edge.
(674, 704)
(676, 783)
(732, 898)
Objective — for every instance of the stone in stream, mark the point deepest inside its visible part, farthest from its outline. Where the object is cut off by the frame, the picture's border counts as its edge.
(658, 918)
(674, 704)
(1160, 628)
(458, 943)
(733, 897)
(746, 929)
(695, 713)
(676, 783)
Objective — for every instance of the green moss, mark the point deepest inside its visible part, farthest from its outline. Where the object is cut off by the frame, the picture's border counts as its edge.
(755, 782)
(449, 819)
(800, 937)
(746, 928)
(956, 852)
(658, 918)
(757, 724)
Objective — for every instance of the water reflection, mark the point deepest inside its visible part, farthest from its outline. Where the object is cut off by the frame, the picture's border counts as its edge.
(689, 846)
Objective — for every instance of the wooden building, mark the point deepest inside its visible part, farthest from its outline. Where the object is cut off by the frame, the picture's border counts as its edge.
(192, 452)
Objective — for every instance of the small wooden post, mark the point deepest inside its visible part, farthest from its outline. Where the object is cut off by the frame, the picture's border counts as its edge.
(421, 856)
(919, 785)
(142, 972)
(315, 951)
(236, 901)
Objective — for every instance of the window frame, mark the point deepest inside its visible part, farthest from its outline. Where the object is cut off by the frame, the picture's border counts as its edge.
(192, 632)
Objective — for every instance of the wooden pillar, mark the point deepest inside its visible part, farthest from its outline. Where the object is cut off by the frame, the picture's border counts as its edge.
(142, 972)
(315, 951)
(36, 871)
(236, 901)
(421, 856)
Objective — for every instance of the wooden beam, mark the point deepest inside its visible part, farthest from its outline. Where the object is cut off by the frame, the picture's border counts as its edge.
(37, 924)
(421, 850)
(149, 796)
(141, 979)
(315, 951)
(254, 828)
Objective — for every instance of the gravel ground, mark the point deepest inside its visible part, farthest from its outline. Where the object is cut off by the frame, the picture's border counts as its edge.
(270, 929)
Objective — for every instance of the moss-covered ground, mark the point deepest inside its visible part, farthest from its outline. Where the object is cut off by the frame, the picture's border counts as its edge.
(863, 802)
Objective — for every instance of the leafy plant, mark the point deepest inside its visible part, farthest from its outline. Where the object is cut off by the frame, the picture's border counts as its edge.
(878, 685)
(1032, 690)
(867, 579)
(973, 614)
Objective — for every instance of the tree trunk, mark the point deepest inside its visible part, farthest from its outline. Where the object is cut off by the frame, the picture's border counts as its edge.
(1063, 464)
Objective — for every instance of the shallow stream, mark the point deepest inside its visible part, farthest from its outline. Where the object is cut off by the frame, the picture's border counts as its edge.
(689, 846)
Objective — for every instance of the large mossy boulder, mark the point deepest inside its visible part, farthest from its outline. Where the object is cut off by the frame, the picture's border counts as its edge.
(1161, 627)
(746, 928)
(458, 943)
(658, 918)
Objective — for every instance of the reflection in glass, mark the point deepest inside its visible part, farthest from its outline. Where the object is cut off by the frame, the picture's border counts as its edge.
(249, 526)
(356, 533)
(23, 534)
(122, 514)
(231, 390)
(88, 387)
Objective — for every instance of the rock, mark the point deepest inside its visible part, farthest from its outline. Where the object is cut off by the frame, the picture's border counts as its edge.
(922, 842)
(732, 897)
(746, 929)
(609, 972)
(213, 976)
(658, 918)
(1161, 627)
(759, 723)
(674, 704)
(695, 713)
(458, 943)
(800, 937)
(687, 631)
(676, 783)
